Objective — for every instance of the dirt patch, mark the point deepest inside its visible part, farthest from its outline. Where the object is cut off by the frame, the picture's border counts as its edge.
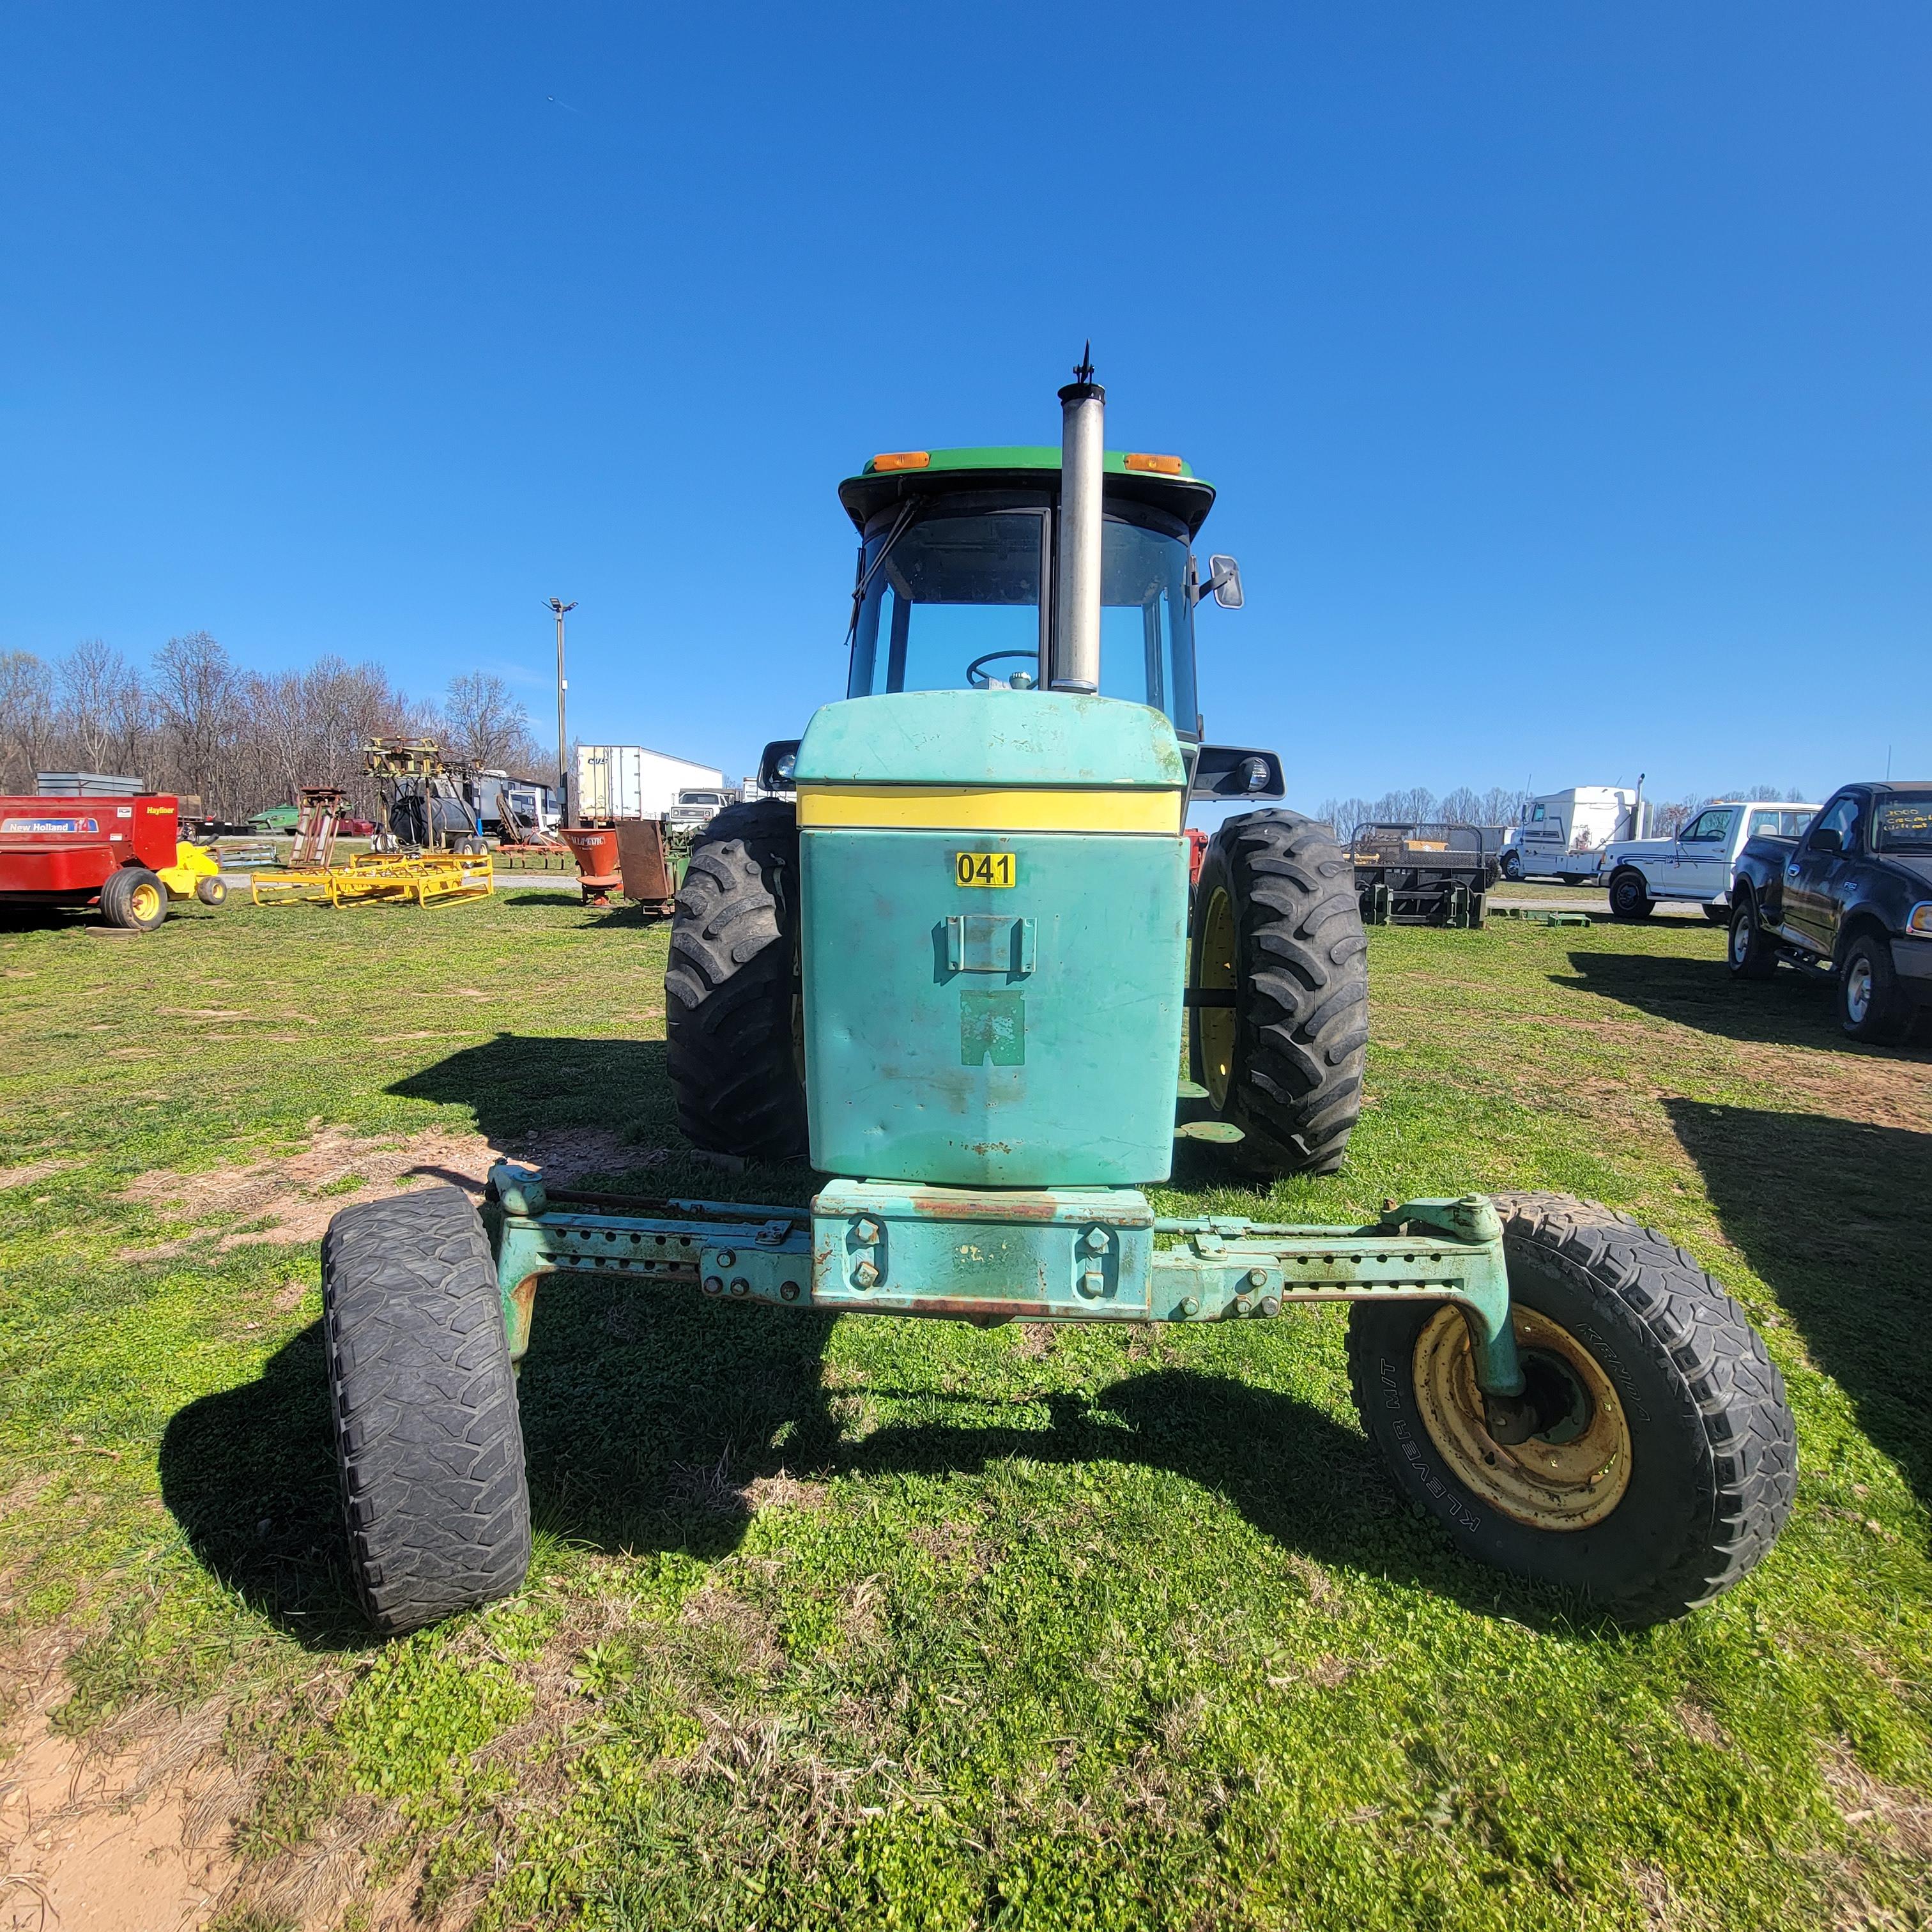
(103, 1841)
(1903, 1819)
(34, 1171)
(291, 1198)
(1700, 1723)
(782, 1491)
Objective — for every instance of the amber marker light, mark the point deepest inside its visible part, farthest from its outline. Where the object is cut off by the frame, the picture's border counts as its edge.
(902, 459)
(1160, 466)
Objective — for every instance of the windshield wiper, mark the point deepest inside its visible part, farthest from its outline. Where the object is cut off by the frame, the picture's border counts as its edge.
(910, 510)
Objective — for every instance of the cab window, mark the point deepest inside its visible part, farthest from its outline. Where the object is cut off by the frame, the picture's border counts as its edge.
(1708, 828)
(1841, 817)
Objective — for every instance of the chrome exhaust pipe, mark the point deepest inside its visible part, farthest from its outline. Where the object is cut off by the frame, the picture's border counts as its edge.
(1076, 647)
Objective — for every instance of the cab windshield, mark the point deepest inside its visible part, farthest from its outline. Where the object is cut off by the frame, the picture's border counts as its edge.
(963, 598)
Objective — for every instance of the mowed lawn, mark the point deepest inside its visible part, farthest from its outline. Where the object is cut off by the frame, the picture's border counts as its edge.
(894, 1625)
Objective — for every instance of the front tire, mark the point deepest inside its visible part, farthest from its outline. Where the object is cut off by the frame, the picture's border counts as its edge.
(1512, 866)
(1665, 1458)
(1277, 925)
(211, 892)
(424, 1401)
(1872, 1006)
(134, 898)
(733, 1019)
(1630, 897)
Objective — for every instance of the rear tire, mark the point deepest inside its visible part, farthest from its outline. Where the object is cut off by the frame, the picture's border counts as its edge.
(134, 898)
(424, 1401)
(1629, 896)
(1643, 1361)
(1750, 954)
(1276, 922)
(1872, 1006)
(732, 1017)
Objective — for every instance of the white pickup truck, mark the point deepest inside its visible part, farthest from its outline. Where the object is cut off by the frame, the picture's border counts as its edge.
(1695, 866)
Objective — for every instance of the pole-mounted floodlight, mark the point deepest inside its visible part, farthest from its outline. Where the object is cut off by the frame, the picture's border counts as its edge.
(557, 606)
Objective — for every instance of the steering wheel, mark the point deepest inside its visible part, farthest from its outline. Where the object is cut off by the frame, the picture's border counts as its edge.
(978, 678)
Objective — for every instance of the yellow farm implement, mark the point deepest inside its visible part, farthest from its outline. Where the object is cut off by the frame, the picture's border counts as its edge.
(427, 878)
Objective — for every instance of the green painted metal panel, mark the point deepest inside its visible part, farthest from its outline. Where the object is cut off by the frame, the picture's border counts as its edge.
(991, 738)
(1016, 456)
(993, 1073)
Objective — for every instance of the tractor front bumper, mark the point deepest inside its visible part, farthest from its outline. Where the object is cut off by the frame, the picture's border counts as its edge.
(989, 1255)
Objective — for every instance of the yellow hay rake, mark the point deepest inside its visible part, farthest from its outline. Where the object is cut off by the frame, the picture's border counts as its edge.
(426, 878)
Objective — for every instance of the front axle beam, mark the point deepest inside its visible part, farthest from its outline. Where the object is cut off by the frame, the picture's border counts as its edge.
(1067, 1254)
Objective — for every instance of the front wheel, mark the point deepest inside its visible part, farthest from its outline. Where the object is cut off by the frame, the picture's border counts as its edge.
(1630, 897)
(1872, 1006)
(1512, 865)
(1662, 1460)
(424, 1401)
(211, 892)
(1277, 935)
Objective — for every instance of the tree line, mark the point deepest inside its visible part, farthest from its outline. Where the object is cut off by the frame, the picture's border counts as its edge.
(1500, 805)
(194, 722)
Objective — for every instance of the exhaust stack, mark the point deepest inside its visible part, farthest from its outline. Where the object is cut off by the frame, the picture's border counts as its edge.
(1076, 646)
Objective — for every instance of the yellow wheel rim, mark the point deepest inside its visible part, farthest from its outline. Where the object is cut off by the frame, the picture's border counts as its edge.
(1215, 1024)
(145, 902)
(1571, 1476)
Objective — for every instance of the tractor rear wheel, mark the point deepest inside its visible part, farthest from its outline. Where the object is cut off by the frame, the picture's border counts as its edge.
(1277, 926)
(1662, 1460)
(424, 1401)
(733, 1022)
(134, 898)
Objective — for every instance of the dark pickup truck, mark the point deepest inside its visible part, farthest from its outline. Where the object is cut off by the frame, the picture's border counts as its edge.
(1851, 897)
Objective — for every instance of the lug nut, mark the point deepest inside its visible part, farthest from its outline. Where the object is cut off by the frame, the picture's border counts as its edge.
(712, 1285)
(1258, 1277)
(788, 1291)
(725, 1257)
(1241, 1305)
(1190, 1307)
(864, 1274)
(741, 1286)
(1270, 1304)
(1096, 1239)
(866, 1233)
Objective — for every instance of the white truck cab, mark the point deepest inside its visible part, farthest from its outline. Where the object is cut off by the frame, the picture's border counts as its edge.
(1563, 836)
(1696, 863)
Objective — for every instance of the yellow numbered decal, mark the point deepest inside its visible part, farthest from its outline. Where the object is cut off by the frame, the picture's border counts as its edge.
(984, 868)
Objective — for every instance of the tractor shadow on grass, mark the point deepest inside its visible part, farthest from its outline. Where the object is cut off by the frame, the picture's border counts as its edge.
(1829, 1212)
(1788, 1009)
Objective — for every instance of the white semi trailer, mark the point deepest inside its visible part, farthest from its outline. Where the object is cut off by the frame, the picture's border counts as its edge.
(1564, 834)
(617, 781)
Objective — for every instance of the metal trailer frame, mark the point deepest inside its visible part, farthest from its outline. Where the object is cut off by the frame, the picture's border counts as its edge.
(992, 1255)
(1425, 874)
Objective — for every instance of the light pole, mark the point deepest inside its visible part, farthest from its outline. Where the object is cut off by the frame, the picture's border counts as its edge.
(557, 606)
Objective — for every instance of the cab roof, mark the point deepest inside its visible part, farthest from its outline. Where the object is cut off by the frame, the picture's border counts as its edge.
(1177, 490)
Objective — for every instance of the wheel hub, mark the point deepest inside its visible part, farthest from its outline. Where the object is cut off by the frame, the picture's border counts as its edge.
(1858, 990)
(1569, 1462)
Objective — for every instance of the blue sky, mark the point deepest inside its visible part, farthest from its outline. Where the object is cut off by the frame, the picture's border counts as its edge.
(1564, 367)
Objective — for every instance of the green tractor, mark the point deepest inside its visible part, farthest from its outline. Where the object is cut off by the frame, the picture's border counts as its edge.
(956, 975)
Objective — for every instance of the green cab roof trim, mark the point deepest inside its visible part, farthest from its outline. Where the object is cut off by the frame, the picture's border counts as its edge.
(1021, 465)
(990, 738)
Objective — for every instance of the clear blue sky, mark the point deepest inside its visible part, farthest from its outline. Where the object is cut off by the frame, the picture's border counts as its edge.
(1565, 367)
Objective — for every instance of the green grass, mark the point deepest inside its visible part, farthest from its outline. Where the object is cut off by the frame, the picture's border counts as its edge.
(896, 1624)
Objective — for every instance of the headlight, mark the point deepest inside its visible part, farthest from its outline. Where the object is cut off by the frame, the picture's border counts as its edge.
(1920, 920)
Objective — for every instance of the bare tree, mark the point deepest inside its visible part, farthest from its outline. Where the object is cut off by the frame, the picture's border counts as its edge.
(28, 723)
(102, 707)
(198, 695)
(484, 725)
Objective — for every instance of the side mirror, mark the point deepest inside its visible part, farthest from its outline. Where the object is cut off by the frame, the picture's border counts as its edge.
(778, 765)
(1224, 579)
(1828, 839)
(1224, 774)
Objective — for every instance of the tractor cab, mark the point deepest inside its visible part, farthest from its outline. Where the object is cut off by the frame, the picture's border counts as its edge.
(956, 576)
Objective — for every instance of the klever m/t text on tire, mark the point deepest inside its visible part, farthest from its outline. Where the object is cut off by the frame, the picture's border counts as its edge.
(733, 1023)
(424, 1403)
(1660, 1459)
(1277, 926)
